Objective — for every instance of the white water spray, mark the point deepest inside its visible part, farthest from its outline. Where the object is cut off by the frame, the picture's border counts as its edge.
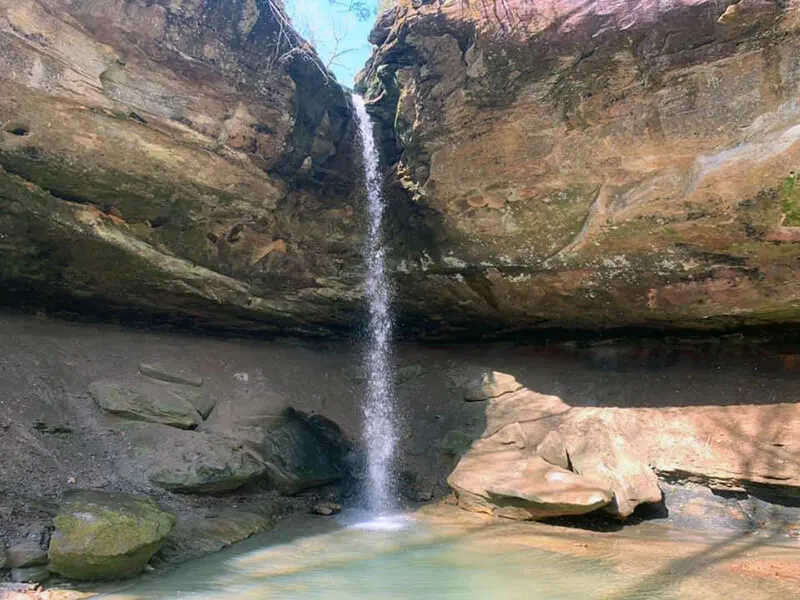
(378, 405)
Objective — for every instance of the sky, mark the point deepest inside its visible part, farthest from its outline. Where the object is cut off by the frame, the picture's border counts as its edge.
(338, 35)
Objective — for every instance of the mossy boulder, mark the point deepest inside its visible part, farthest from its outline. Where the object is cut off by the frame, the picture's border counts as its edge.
(103, 536)
(210, 474)
(141, 402)
(186, 461)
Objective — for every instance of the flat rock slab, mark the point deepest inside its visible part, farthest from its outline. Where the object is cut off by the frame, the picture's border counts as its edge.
(142, 402)
(170, 374)
(103, 536)
(189, 462)
(198, 535)
(727, 447)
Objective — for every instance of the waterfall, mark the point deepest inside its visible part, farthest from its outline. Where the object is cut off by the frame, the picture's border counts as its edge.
(378, 404)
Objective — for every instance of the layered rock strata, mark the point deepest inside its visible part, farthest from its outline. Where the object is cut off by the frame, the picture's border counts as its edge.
(586, 164)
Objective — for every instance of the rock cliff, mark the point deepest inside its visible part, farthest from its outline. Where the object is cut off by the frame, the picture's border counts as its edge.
(187, 159)
(593, 164)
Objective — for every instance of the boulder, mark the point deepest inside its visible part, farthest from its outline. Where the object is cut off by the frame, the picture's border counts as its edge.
(220, 468)
(199, 534)
(34, 574)
(540, 457)
(302, 452)
(142, 402)
(202, 402)
(490, 384)
(506, 481)
(26, 554)
(598, 450)
(102, 536)
(191, 462)
(186, 461)
(170, 374)
(3, 556)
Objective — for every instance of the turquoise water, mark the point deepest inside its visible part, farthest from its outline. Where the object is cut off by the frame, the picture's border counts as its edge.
(324, 559)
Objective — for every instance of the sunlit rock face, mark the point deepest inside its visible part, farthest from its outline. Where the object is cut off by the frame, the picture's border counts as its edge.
(592, 164)
(180, 158)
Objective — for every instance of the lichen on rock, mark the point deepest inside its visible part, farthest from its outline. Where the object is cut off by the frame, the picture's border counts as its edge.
(101, 535)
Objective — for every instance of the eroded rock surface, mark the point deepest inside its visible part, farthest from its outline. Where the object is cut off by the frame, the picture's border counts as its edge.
(749, 451)
(592, 164)
(509, 482)
(541, 458)
(176, 158)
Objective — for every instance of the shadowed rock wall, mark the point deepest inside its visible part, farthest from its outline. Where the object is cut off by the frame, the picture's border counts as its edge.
(188, 159)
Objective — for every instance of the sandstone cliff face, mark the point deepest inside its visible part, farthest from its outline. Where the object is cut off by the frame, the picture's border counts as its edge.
(593, 164)
(173, 157)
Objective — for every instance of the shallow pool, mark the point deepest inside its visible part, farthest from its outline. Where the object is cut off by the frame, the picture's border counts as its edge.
(447, 554)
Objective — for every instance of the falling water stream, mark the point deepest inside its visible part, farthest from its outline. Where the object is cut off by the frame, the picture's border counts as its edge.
(378, 404)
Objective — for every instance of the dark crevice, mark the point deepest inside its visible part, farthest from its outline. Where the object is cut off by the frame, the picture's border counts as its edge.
(159, 221)
(17, 129)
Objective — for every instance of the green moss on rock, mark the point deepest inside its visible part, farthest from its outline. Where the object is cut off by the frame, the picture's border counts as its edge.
(209, 479)
(455, 442)
(790, 202)
(103, 536)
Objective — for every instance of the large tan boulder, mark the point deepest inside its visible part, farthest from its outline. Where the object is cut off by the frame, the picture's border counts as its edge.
(539, 457)
(597, 448)
(507, 481)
